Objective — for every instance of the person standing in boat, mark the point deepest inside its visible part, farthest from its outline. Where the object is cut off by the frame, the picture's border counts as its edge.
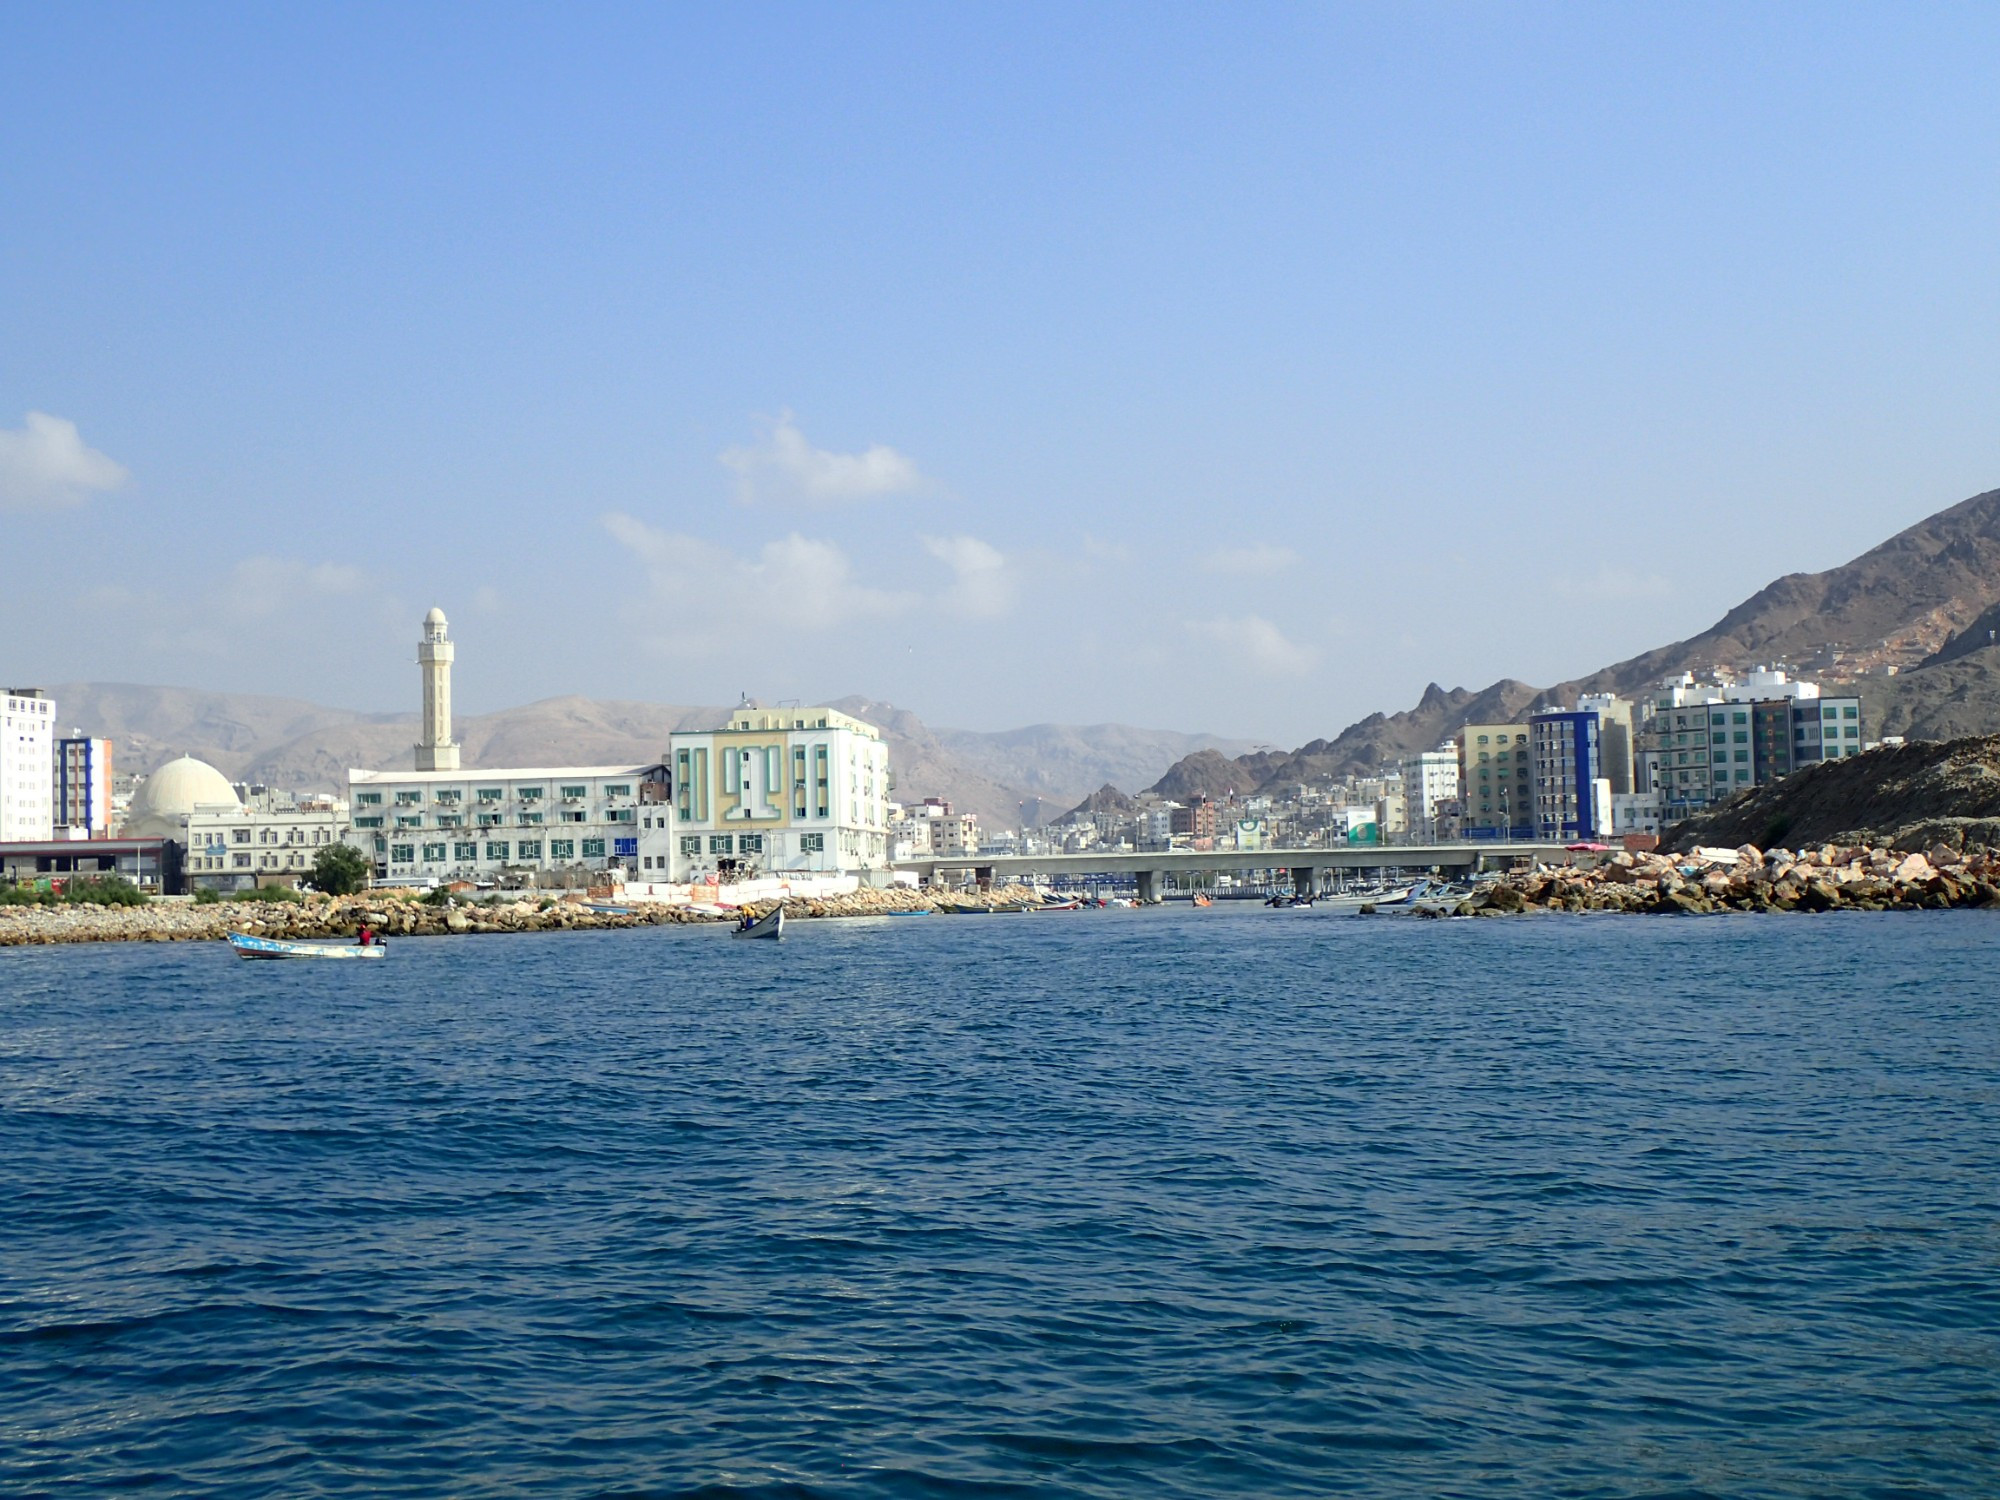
(367, 936)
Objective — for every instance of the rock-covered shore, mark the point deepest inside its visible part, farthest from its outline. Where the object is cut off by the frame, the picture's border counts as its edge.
(1829, 878)
(322, 917)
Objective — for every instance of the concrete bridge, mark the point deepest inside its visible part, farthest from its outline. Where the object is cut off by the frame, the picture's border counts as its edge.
(1308, 867)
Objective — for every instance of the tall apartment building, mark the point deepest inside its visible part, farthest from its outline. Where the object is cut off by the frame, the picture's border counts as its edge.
(83, 785)
(27, 766)
(1196, 820)
(1746, 734)
(1614, 737)
(1572, 794)
(1428, 779)
(1495, 782)
(784, 789)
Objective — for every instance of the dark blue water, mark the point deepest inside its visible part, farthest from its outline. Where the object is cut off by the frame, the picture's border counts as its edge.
(1153, 1203)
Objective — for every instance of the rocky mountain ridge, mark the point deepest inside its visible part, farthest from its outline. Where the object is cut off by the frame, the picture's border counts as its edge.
(1925, 603)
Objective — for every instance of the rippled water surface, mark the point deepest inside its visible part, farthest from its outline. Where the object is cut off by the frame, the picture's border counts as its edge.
(1164, 1203)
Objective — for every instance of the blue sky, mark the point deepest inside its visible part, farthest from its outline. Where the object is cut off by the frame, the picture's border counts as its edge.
(1232, 368)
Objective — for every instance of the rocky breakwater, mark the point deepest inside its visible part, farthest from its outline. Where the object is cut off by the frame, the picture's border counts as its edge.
(1860, 877)
(319, 918)
(324, 918)
(871, 902)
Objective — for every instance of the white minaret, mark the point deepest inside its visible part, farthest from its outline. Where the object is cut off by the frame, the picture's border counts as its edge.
(436, 750)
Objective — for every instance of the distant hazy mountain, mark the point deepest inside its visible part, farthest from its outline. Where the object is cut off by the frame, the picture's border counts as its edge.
(1926, 602)
(1006, 777)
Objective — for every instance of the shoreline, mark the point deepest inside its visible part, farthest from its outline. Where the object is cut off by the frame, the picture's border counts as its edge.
(322, 918)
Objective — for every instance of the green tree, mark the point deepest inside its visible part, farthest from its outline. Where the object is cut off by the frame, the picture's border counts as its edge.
(341, 870)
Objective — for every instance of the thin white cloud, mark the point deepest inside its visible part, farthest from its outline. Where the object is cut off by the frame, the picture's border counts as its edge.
(982, 585)
(261, 588)
(224, 619)
(785, 466)
(705, 598)
(1259, 561)
(46, 465)
(1254, 643)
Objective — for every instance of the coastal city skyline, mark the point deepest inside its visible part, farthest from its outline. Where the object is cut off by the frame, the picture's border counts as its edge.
(962, 381)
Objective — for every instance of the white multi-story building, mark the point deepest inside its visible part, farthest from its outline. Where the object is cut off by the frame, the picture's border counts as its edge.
(83, 785)
(780, 789)
(932, 827)
(548, 825)
(1428, 779)
(27, 766)
(233, 847)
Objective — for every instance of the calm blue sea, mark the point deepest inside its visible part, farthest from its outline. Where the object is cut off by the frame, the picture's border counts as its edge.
(1161, 1203)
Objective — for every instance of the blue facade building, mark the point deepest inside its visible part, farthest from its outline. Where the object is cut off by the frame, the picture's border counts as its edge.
(1568, 763)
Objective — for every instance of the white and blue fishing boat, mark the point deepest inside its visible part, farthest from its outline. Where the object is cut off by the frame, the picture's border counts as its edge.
(247, 946)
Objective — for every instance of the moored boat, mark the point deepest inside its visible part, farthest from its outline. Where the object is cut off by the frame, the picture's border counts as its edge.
(247, 946)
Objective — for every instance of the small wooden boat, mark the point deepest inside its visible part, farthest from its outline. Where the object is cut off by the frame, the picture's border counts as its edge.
(964, 909)
(247, 946)
(1201, 900)
(909, 911)
(770, 925)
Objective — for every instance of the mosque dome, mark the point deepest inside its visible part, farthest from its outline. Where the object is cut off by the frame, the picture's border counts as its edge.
(435, 617)
(164, 799)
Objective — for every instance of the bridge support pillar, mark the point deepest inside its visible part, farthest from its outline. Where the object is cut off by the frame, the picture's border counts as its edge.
(1304, 879)
(984, 875)
(1151, 884)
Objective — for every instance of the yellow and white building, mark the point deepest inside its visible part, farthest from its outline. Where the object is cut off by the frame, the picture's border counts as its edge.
(780, 790)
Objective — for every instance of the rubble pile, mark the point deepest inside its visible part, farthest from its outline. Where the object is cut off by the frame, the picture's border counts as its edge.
(1856, 877)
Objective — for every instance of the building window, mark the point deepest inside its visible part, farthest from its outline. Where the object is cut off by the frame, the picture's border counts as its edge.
(449, 820)
(528, 849)
(573, 815)
(529, 819)
(410, 820)
(625, 848)
(621, 815)
(241, 835)
(409, 799)
(576, 793)
(593, 848)
(751, 843)
(242, 861)
(450, 794)
(496, 849)
(402, 854)
(721, 843)
(691, 844)
(464, 852)
(529, 793)
(812, 843)
(618, 791)
(433, 853)
(562, 848)
(367, 799)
